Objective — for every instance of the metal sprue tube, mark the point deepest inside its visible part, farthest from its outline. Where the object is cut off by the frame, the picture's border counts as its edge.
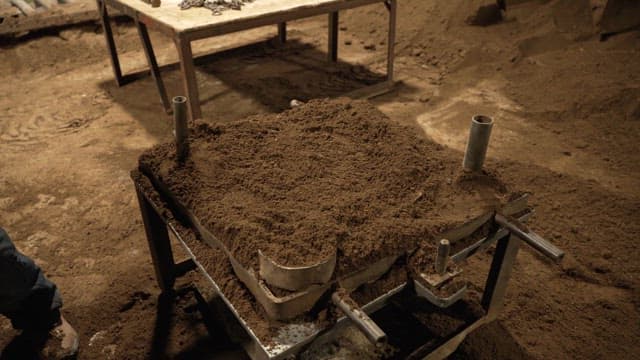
(362, 321)
(478, 142)
(181, 128)
(442, 257)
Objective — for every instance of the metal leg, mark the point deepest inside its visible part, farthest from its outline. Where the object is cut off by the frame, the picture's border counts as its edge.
(393, 9)
(159, 246)
(282, 32)
(188, 76)
(111, 45)
(153, 64)
(499, 274)
(333, 36)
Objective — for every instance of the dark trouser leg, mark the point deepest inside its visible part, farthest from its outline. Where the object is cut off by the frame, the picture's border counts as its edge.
(27, 297)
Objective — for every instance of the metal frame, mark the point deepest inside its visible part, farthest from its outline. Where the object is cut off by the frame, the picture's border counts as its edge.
(183, 39)
(507, 247)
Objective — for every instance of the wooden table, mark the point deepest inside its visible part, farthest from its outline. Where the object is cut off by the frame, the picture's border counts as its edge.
(185, 26)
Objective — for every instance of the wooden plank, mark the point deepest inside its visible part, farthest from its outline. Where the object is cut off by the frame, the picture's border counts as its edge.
(60, 15)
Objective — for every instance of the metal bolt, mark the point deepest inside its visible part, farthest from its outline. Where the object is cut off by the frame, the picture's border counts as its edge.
(442, 257)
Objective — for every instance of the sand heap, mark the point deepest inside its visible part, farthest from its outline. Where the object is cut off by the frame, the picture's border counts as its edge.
(330, 176)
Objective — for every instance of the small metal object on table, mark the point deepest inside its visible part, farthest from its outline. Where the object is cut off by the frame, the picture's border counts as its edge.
(195, 24)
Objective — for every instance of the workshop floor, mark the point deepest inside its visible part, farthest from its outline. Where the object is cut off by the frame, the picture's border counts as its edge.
(567, 123)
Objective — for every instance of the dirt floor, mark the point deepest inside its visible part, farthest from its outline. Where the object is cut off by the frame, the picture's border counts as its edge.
(566, 108)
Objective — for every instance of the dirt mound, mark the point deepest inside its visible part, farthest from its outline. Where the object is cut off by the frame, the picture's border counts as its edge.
(333, 175)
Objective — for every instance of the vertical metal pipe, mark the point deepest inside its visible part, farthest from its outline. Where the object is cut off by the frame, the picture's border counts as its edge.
(442, 257)
(391, 40)
(181, 128)
(478, 142)
(333, 36)
(282, 32)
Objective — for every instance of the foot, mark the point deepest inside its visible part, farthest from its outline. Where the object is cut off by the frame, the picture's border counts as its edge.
(62, 342)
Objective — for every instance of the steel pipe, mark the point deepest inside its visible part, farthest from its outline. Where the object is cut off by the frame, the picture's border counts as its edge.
(442, 257)
(531, 238)
(478, 142)
(181, 128)
(364, 323)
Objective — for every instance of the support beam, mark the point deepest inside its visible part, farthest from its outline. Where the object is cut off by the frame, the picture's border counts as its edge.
(111, 45)
(159, 245)
(188, 74)
(153, 64)
(333, 36)
(391, 41)
(499, 274)
(282, 32)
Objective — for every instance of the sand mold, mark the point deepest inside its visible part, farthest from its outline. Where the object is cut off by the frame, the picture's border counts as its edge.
(332, 175)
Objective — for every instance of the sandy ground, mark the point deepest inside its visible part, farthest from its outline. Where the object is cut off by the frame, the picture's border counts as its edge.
(567, 114)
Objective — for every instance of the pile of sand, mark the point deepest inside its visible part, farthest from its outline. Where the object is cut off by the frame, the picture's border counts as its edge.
(330, 176)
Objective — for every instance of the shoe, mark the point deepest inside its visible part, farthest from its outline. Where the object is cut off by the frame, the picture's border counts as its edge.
(62, 342)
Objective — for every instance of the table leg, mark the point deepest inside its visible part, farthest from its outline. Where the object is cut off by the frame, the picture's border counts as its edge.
(159, 246)
(499, 274)
(393, 9)
(333, 36)
(153, 64)
(188, 76)
(111, 45)
(282, 32)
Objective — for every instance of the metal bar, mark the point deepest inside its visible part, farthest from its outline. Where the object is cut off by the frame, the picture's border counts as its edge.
(499, 274)
(536, 241)
(159, 246)
(282, 32)
(485, 242)
(183, 267)
(153, 64)
(188, 76)
(111, 45)
(479, 245)
(444, 247)
(333, 36)
(364, 323)
(392, 5)
(181, 128)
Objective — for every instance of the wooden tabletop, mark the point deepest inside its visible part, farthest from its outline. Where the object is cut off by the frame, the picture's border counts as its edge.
(257, 13)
